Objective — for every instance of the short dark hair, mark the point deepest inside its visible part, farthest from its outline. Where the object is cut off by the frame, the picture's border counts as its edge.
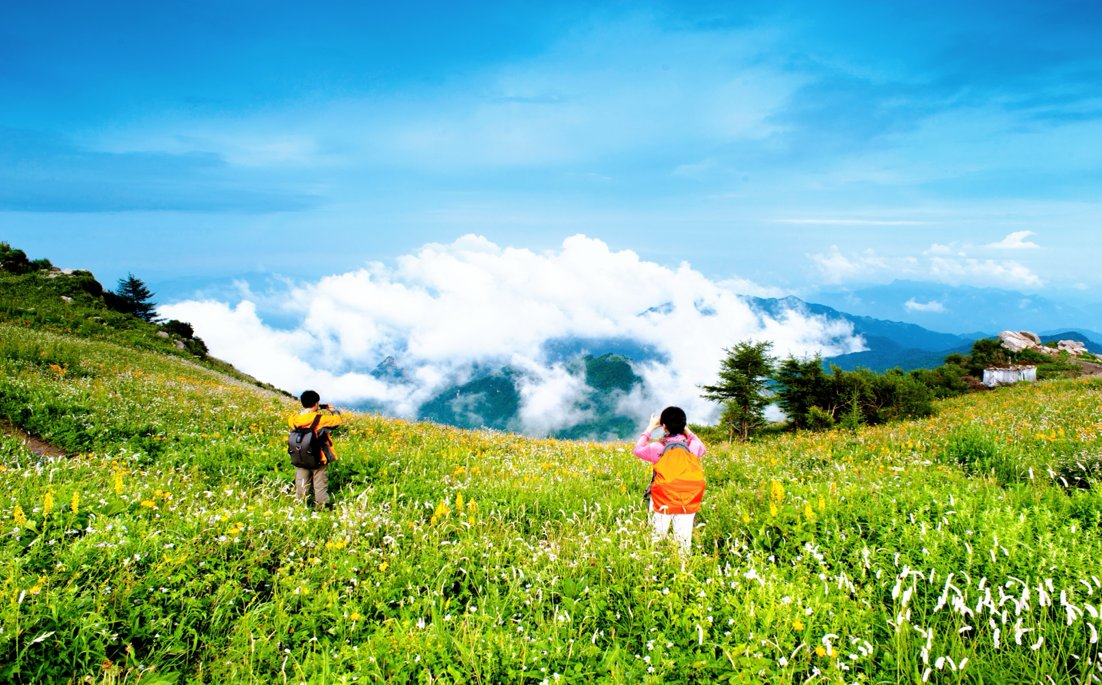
(310, 398)
(674, 419)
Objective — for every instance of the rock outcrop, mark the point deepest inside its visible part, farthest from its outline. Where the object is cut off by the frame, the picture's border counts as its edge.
(1073, 347)
(1017, 341)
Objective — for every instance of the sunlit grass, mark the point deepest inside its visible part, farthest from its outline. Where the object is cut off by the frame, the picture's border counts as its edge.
(965, 547)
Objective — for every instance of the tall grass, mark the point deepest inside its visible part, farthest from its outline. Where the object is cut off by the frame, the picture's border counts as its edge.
(962, 548)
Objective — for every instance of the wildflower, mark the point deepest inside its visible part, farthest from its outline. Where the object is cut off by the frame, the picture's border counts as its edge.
(74, 502)
(47, 503)
(18, 516)
(383, 567)
(118, 482)
(441, 512)
(149, 504)
(798, 624)
(459, 501)
(773, 511)
(820, 650)
(776, 491)
(355, 616)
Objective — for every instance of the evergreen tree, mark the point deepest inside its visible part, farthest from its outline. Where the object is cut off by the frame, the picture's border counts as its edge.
(743, 376)
(136, 298)
(801, 387)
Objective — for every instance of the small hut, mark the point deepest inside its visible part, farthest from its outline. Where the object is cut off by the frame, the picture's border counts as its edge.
(1005, 375)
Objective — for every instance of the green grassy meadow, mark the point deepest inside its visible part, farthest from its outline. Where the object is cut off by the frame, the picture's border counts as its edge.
(167, 547)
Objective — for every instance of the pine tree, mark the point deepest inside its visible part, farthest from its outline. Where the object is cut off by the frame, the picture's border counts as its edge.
(136, 298)
(741, 388)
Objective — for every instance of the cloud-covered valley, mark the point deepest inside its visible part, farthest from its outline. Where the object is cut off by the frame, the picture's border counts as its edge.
(392, 337)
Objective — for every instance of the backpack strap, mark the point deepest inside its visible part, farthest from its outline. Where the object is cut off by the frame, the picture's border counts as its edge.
(313, 426)
(677, 443)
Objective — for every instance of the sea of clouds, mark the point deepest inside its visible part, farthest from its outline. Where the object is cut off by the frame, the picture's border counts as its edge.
(449, 311)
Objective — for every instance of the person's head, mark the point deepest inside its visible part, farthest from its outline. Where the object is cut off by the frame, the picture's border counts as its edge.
(674, 420)
(310, 399)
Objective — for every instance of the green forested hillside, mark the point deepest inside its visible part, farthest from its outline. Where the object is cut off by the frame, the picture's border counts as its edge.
(166, 547)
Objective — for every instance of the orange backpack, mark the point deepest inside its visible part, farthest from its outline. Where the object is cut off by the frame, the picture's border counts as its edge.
(678, 485)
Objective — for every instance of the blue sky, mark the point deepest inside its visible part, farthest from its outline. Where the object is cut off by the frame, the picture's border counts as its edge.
(782, 146)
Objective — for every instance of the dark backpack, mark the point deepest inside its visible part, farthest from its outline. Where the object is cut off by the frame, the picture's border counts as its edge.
(304, 446)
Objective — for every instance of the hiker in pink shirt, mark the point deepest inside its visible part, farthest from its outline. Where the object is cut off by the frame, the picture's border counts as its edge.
(678, 501)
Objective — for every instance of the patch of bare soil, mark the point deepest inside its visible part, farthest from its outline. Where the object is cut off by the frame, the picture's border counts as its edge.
(33, 444)
(1090, 369)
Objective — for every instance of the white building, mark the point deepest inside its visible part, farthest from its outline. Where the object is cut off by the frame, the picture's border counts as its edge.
(1009, 374)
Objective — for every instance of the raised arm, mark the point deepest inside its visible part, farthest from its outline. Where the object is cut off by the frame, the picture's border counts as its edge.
(645, 449)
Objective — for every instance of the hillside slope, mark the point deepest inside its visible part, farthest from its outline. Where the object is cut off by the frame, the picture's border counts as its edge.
(168, 548)
(39, 296)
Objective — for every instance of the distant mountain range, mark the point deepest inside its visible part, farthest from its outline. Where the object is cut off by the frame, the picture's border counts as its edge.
(964, 309)
(492, 398)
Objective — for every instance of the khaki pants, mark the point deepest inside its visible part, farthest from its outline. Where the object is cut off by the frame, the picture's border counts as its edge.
(316, 479)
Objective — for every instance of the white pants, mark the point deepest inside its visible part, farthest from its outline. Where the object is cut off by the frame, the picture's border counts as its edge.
(682, 528)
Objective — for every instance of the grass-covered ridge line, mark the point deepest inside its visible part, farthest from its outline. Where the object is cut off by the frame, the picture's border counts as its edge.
(959, 548)
(38, 296)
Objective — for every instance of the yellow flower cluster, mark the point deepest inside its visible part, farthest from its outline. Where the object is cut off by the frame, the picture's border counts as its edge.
(443, 510)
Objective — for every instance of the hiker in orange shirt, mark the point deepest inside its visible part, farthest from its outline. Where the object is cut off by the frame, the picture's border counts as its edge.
(678, 483)
(314, 475)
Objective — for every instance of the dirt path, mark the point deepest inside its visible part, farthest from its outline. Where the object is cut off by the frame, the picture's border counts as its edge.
(32, 443)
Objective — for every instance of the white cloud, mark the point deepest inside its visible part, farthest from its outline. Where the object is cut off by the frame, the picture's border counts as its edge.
(444, 309)
(1015, 241)
(913, 305)
(984, 272)
(837, 267)
(835, 221)
(941, 263)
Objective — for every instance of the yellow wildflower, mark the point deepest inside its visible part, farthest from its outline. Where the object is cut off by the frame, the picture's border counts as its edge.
(821, 650)
(459, 501)
(773, 511)
(149, 504)
(776, 491)
(18, 516)
(383, 567)
(74, 502)
(118, 482)
(47, 503)
(798, 624)
(356, 616)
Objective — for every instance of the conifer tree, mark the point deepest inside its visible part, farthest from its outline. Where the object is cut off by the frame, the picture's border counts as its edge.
(741, 388)
(136, 298)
